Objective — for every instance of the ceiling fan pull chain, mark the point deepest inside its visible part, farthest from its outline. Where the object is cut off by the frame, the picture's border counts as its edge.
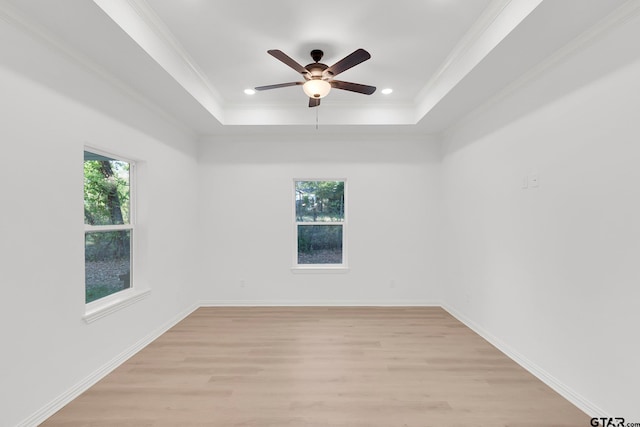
(317, 109)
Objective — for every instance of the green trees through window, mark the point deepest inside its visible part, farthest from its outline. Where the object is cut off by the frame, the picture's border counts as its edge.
(106, 191)
(108, 226)
(320, 218)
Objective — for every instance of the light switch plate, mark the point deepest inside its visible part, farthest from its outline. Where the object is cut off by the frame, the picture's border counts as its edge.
(534, 180)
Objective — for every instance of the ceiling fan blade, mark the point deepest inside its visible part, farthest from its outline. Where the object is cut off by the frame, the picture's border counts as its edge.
(283, 57)
(314, 102)
(278, 85)
(353, 87)
(347, 62)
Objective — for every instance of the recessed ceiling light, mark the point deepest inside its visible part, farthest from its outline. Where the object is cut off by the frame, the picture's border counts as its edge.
(250, 91)
(387, 91)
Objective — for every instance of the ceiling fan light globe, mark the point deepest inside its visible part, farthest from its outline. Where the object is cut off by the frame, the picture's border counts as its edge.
(316, 88)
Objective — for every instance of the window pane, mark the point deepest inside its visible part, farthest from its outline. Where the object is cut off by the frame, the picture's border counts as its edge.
(106, 190)
(319, 201)
(107, 260)
(319, 244)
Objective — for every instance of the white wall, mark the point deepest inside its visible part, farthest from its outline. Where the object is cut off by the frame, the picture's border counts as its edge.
(551, 273)
(247, 220)
(46, 346)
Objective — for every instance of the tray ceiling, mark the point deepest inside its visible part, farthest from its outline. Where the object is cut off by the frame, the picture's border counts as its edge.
(194, 58)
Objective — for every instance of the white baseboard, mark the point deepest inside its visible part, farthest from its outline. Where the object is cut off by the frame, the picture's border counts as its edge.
(79, 388)
(579, 401)
(319, 303)
(562, 389)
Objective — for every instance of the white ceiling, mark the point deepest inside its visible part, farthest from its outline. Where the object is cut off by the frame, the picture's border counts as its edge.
(194, 58)
(229, 42)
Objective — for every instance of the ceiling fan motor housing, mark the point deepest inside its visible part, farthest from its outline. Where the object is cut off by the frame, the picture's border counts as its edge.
(316, 68)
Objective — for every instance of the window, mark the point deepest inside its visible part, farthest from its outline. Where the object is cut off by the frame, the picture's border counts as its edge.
(320, 223)
(109, 230)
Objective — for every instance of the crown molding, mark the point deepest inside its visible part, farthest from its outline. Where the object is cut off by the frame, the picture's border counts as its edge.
(484, 22)
(623, 14)
(497, 21)
(18, 20)
(146, 12)
(138, 20)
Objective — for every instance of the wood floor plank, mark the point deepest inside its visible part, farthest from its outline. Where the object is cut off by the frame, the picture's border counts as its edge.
(320, 366)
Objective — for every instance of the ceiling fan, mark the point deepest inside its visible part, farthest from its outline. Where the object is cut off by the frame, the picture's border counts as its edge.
(318, 77)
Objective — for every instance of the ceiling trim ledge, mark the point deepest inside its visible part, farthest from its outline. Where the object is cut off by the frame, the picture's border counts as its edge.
(138, 20)
(335, 115)
(624, 13)
(17, 20)
(498, 20)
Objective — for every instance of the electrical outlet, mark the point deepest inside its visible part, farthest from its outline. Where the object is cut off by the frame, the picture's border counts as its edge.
(242, 283)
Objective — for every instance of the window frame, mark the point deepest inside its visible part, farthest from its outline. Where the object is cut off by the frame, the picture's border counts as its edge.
(320, 268)
(108, 304)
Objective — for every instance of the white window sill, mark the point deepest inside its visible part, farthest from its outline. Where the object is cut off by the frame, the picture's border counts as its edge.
(105, 306)
(316, 269)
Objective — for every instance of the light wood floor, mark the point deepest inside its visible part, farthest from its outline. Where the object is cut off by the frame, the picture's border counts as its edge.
(303, 366)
